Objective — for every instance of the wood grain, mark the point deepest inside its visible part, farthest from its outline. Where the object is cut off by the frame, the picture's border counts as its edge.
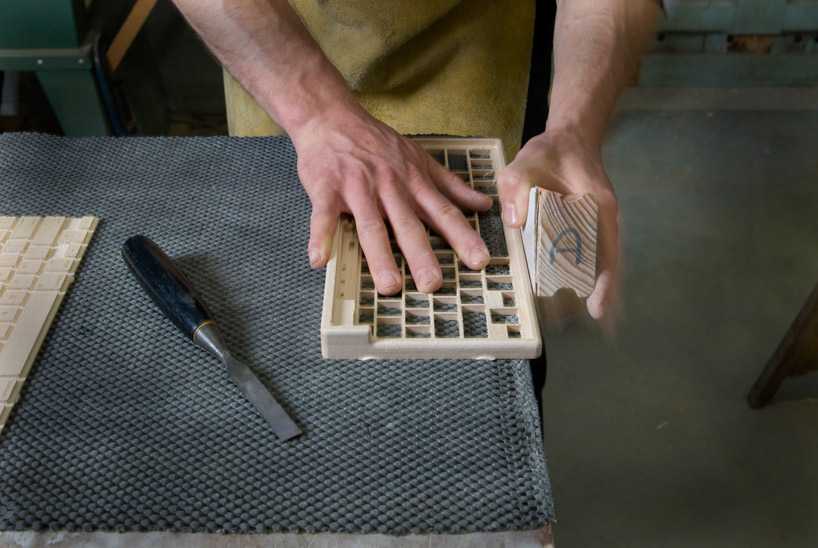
(566, 242)
(39, 256)
(560, 240)
(561, 243)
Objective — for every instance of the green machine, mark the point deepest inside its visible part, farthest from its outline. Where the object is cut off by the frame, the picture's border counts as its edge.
(62, 42)
(49, 37)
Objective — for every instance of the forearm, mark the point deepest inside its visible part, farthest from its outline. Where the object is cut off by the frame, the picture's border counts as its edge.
(597, 47)
(348, 161)
(265, 46)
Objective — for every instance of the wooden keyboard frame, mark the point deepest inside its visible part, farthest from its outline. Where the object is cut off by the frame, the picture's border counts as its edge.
(355, 317)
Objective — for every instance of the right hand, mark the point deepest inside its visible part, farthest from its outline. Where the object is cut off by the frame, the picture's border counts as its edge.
(562, 162)
(350, 162)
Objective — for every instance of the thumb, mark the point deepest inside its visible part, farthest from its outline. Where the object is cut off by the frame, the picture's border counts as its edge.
(605, 302)
(599, 300)
(605, 306)
(513, 185)
(323, 221)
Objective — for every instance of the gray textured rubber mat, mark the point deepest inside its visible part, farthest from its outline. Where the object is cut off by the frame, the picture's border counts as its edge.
(125, 425)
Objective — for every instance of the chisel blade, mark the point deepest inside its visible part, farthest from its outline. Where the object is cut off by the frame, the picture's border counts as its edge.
(281, 423)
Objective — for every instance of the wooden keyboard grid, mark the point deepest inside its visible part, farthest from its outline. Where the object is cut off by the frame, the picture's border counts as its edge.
(475, 314)
(38, 258)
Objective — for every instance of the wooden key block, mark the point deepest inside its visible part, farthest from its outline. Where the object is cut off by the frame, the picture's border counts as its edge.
(8, 313)
(13, 297)
(51, 281)
(73, 237)
(14, 246)
(561, 242)
(74, 251)
(87, 223)
(5, 411)
(9, 389)
(9, 259)
(37, 253)
(48, 231)
(21, 281)
(24, 228)
(29, 266)
(59, 265)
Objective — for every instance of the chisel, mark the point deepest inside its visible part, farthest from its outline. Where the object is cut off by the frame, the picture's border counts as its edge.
(173, 294)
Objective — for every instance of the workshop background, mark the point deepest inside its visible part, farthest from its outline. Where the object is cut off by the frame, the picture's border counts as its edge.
(650, 439)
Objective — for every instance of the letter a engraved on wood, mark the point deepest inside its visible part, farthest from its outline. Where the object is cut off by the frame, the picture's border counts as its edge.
(561, 240)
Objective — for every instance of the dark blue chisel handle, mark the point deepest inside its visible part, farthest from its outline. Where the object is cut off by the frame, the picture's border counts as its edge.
(165, 284)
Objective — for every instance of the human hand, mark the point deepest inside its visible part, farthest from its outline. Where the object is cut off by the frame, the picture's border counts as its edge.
(563, 163)
(349, 162)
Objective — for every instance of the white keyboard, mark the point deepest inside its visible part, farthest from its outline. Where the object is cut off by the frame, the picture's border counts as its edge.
(38, 258)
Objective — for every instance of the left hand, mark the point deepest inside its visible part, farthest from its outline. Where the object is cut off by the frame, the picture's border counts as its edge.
(563, 163)
(350, 162)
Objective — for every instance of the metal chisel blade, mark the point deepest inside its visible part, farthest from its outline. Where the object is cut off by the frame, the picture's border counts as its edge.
(262, 400)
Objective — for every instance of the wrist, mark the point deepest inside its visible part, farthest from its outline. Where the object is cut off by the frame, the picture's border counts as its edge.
(313, 90)
(570, 135)
(577, 125)
(337, 112)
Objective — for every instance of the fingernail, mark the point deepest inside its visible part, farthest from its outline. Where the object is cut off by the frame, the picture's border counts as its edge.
(389, 280)
(509, 213)
(479, 256)
(315, 256)
(428, 277)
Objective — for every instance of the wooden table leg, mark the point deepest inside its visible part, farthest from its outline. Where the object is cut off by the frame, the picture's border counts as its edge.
(796, 354)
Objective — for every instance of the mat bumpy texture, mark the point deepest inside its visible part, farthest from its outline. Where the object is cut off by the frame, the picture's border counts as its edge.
(125, 425)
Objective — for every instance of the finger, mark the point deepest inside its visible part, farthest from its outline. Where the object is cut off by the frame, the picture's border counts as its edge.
(374, 240)
(458, 191)
(606, 289)
(514, 185)
(598, 300)
(411, 237)
(448, 221)
(323, 220)
(612, 311)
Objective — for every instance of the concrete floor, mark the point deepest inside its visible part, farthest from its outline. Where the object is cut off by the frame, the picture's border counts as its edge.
(650, 441)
